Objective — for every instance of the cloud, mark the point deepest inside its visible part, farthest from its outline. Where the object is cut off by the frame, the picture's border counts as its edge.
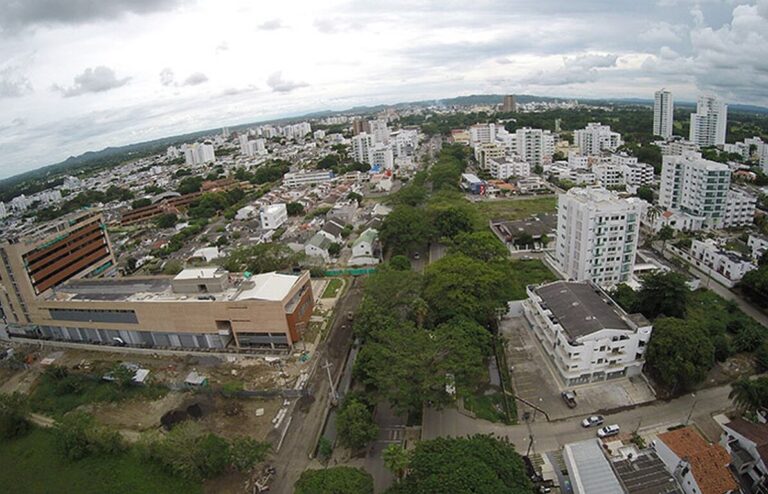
(19, 14)
(590, 61)
(223, 46)
(334, 25)
(271, 25)
(166, 77)
(92, 80)
(13, 84)
(194, 79)
(280, 85)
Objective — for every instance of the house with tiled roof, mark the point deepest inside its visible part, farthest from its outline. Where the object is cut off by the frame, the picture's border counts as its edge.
(699, 466)
(747, 443)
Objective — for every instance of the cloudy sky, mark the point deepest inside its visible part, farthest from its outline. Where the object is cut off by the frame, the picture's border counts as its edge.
(80, 75)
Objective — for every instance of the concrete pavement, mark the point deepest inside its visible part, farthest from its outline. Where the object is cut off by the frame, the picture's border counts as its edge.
(551, 436)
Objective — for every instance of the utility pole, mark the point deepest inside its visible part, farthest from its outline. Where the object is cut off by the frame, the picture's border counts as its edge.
(690, 412)
(334, 395)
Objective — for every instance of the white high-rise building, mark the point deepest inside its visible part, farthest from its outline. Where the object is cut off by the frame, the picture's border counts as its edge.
(481, 134)
(663, 114)
(172, 152)
(502, 169)
(379, 131)
(696, 186)
(760, 149)
(536, 146)
(3, 210)
(597, 235)
(709, 123)
(380, 157)
(244, 147)
(198, 153)
(361, 145)
(739, 209)
(595, 138)
(637, 174)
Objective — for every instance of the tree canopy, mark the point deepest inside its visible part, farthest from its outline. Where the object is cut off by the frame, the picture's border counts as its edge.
(335, 480)
(663, 294)
(679, 354)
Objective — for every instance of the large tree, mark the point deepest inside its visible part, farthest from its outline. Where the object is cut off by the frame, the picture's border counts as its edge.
(336, 480)
(451, 221)
(355, 423)
(663, 294)
(483, 245)
(679, 354)
(479, 464)
(405, 229)
(750, 394)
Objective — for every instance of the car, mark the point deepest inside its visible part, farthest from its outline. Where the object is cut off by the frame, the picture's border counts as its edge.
(592, 421)
(569, 397)
(608, 431)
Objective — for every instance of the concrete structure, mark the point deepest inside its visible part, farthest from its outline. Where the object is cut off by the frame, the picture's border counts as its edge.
(482, 133)
(307, 177)
(676, 146)
(509, 104)
(663, 114)
(529, 185)
(637, 174)
(588, 337)
(535, 146)
(503, 169)
(696, 186)
(709, 122)
(472, 184)
(747, 443)
(739, 209)
(198, 153)
(698, 466)
(643, 472)
(361, 145)
(3, 210)
(380, 157)
(758, 244)
(318, 246)
(609, 175)
(596, 138)
(273, 216)
(485, 152)
(729, 264)
(597, 234)
(589, 470)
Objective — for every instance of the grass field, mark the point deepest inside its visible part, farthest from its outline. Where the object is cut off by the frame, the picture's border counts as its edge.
(333, 287)
(515, 209)
(32, 465)
(486, 407)
(528, 272)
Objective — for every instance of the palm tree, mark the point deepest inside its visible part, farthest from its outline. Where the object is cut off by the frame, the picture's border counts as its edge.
(396, 459)
(749, 394)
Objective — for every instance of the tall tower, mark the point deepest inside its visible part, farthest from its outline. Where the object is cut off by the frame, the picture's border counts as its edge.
(663, 114)
(510, 104)
(709, 122)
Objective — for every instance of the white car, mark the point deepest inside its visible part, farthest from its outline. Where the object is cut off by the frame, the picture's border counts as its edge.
(592, 421)
(608, 431)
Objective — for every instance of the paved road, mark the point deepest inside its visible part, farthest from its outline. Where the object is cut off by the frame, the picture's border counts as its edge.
(391, 431)
(551, 436)
(309, 413)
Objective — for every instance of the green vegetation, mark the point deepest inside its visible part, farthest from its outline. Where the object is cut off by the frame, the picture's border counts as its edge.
(13, 416)
(333, 287)
(78, 436)
(355, 423)
(141, 203)
(261, 258)
(189, 185)
(32, 464)
(270, 171)
(336, 480)
(167, 220)
(750, 394)
(488, 407)
(514, 209)
(479, 464)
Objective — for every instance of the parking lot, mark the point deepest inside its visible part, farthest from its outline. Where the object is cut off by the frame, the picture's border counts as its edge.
(534, 380)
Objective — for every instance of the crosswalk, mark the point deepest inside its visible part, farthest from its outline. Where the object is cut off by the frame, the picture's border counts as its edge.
(391, 435)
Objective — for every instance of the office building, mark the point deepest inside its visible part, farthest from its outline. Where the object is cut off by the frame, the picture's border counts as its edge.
(663, 114)
(709, 122)
(273, 216)
(585, 334)
(510, 104)
(597, 234)
(596, 138)
(695, 186)
(307, 177)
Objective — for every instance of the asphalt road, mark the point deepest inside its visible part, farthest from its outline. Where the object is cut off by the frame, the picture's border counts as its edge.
(309, 413)
(551, 436)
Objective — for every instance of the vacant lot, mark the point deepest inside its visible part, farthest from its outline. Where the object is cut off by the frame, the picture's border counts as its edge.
(333, 287)
(515, 209)
(528, 272)
(32, 465)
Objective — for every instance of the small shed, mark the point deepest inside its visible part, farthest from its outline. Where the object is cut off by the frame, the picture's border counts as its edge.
(195, 380)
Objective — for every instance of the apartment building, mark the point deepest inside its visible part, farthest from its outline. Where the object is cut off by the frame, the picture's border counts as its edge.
(710, 257)
(609, 175)
(361, 145)
(596, 138)
(485, 152)
(637, 174)
(739, 209)
(676, 146)
(307, 177)
(695, 186)
(586, 335)
(502, 169)
(509, 104)
(663, 114)
(597, 234)
(273, 216)
(198, 153)
(536, 146)
(747, 444)
(482, 133)
(758, 244)
(709, 122)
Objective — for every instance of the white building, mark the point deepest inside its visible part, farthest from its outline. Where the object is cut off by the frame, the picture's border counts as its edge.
(587, 335)
(589, 470)
(696, 186)
(361, 146)
(503, 169)
(482, 133)
(379, 131)
(488, 151)
(20, 203)
(609, 175)
(638, 174)
(535, 146)
(597, 235)
(3, 210)
(663, 114)
(577, 160)
(709, 122)
(198, 153)
(729, 264)
(273, 216)
(307, 177)
(319, 135)
(676, 147)
(74, 183)
(318, 247)
(246, 213)
(531, 184)
(758, 244)
(380, 157)
(596, 138)
(747, 443)
(739, 209)
(365, 244)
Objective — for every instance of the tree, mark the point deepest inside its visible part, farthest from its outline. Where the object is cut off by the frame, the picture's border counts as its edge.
(679, 354)
(544, 240)
(13, 415)
(400, 263)
(173, 267)
(354, 196)
(665, 233)
(405, 229)
(324, 450)
(188, 185)
(645, 193)
(663, 294)
(396, 460)
(294, 208)
(166, 220)
(755, 285)
(524, 240)
(188, 452)
(246, 452)
(761, 357)
(420, 310)
(451, 221)
(483, 245)
(750, 394)
(480, 464)
(140, 203)
(334, 249)
(410, 195)
(77, 436)
(355, 424)
(336, 480)
(625, 296)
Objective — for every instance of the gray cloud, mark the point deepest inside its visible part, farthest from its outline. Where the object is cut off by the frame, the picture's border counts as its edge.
(166, 77)
(590, 61)
(280, 85)
(271, 25)
(195, 79)
(92, 80)
(13, 84)
(19, 14)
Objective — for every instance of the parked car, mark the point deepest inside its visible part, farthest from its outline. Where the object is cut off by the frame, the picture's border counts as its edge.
(608, 431)
(592, 421)
(569, 397)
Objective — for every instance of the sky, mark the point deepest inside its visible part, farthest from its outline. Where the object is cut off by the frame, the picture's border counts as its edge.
(81, 75)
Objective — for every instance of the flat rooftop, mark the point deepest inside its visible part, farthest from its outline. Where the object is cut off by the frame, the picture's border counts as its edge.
(535, 226)
(645, 474)
(581, 308)
(589, 468)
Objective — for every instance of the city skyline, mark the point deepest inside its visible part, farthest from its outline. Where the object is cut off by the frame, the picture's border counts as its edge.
(67, 87)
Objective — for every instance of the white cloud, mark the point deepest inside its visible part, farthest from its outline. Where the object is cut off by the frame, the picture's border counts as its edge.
(92, 80)
(13, 84)
(195, 79)
(280, 85)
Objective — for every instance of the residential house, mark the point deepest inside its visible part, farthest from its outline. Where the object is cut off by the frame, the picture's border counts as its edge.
(747, 443)
(318, 246)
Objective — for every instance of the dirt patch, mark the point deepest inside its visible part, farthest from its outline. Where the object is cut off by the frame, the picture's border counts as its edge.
(246, 422)
(136, 415)
(732, 369)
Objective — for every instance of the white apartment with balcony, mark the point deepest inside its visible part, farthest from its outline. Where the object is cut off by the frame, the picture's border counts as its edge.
(709, 122)
(587, 336)
(273, 216)
(597, 234)
(739, 209)
(638, 174)
(502, 169)
(709, 255)
(695, 186)
(663, 114)
(596, 138)
(609, 175)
